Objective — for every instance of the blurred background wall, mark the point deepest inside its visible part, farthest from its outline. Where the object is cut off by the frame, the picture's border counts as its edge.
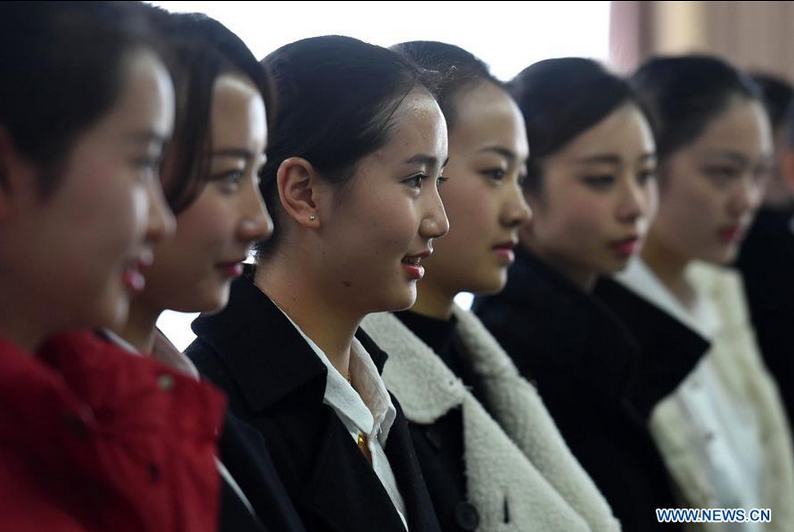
(754, 35)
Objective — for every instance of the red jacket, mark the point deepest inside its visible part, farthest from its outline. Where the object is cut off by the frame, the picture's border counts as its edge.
(93, 438)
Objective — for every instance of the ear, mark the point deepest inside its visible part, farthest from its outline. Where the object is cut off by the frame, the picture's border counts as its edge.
(787, 168)
(297, 183)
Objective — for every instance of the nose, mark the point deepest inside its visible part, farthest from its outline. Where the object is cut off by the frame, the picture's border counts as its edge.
(635, 200)
(435, 223)
(516, 210)
(255, 223)
(162, 223)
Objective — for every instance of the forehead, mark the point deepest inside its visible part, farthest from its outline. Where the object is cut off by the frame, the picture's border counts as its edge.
(418, 126)
(147, 93)
(624, 132)
(742, 127)
(486, 115)
(238, 110)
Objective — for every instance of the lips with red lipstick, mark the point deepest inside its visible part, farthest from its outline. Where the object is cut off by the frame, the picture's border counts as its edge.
(132, 276)
(626, 247)
(731, 234)
(410, 264)
(505, 251)
(232, 268)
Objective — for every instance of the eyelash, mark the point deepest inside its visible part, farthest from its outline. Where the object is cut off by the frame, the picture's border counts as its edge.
(496, 174)
(229, 180)
(148, 165)
(721, 173)
(646, 176)
(599, 181)
(416, 181)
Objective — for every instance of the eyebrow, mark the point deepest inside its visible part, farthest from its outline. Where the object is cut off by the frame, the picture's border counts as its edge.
(504, 152)
(239, 153)
(145, 137)
(425, 160)
(735, 156)
(612, 158)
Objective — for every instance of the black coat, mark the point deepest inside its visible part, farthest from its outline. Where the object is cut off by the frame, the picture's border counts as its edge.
(234, 514)
(669, 350)
(767, 265)
(276, 383)
(586, 366)
(244, 454)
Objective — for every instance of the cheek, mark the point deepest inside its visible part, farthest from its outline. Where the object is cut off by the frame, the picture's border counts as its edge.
(206, 222)
(650, 201)
(471, 212)
(585, 217)
(392, 223)
(692, 205)
(120, 211)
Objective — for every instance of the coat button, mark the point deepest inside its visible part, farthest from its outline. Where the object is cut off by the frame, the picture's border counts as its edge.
(76, 425)
(466, 516)
(78, 421)
(154, 472)
(165, 382)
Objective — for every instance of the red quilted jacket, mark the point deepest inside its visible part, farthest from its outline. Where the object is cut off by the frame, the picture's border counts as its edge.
(93, 438)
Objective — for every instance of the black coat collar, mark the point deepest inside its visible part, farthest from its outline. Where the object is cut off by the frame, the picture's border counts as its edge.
(252, 320)
(562, 325)
(669, 350)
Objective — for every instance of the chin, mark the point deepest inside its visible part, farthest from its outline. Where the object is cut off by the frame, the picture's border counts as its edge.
(729, 256)
(492, 285)
(219, 299)
(201, 301)
(618, 267)
(401, 301)
(723, 256)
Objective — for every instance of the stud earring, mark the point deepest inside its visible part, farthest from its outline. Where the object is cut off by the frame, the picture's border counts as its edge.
(312, 217)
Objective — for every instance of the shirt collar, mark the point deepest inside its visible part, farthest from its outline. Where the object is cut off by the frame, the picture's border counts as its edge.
(163, 351)
(642, 280)
(367, 408)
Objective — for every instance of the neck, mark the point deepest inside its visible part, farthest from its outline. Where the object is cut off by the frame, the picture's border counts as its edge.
(141, 326)
(25, 323)
(669, 266)
(19, 333)
(305, 298)
(579, 275)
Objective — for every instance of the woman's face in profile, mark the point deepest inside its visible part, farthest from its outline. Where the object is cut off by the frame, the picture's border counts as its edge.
(376, 228)
(712, 187)
(94, 234)
(597, 198)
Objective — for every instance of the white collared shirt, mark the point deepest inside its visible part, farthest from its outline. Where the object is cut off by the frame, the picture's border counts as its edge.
(729, 434)
(366, 409)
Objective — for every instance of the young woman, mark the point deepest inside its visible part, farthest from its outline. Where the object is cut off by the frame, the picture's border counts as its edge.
(591, 187)
(766, 257)
(211, 171)
(351, 183)
(722, 432)
(92, 439)
(490, 453)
